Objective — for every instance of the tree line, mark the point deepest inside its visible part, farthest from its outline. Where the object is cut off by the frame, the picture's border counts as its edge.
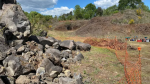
(39, 21)
(90, 11)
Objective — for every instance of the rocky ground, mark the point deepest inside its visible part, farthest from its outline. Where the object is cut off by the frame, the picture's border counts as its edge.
(27, 59)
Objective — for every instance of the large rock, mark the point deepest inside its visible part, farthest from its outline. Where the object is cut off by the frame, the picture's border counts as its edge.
(6, 2)
(17, 26)
(17, 65)
(78, 57)
(23, 79)
(70, 81)
(3, 48)
(47, 40)
(13, 66)
(54, 55)
(54, 52)
(33, 38)
(47, 65)
(1, 82)
(83, 46)
(68, 44)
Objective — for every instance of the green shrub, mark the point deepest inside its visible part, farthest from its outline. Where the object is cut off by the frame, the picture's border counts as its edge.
(138, 11)
(131, 21)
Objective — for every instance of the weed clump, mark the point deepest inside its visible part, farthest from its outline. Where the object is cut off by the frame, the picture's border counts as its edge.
(138, 11)
(131, 21)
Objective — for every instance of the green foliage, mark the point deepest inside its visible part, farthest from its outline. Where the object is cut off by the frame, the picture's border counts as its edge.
(90, 9)
(78, 12)
(39, 22)
(67, 16)
(86, 16)
(143, 7)
(99, 11)
(110, 10)
(123, 4)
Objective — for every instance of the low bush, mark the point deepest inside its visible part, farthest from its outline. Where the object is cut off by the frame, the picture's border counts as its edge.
(131, 21)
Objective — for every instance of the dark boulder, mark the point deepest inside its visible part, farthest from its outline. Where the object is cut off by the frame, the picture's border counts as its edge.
(54, 52)
(54, 55)
(3, 48)
(1, 81)
(79, 57)
(65, 54)
(33, 38)
(43, 33)
(83, 46)
(46, 64)
(13, 66)
(17, 29)
(68, 44)
(47, 40)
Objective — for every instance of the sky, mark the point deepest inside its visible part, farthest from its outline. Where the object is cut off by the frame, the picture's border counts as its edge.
(59, 7)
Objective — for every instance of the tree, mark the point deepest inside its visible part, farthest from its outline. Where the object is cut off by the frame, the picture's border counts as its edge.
(78, 12)
(99, 11)
(111, 10)
(90, 9)
(132, 3)
(143, 7)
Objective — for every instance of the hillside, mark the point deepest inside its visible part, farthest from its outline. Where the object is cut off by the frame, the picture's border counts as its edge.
(110, 25)
(116, 24)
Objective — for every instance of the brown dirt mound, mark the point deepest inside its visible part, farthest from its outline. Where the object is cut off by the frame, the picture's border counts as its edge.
(101, 26)
(109, 43)
(70, 25)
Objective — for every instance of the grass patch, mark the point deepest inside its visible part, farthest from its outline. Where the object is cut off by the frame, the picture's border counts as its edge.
(101, 65)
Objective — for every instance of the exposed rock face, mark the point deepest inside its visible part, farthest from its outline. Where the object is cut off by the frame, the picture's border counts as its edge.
(6, 2)
(15, 24)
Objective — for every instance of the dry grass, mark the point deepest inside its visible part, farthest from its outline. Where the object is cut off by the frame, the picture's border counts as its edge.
(100, 66)
(145, 58)
(66, 35)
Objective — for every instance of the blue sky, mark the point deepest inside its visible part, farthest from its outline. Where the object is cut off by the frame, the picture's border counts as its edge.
(59, 7)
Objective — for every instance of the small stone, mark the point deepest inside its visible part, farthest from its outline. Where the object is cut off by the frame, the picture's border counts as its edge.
(56, 80)
(70, 56)
(61, 75)
(9, 52)
(40, 71)
(53, 74)
(67, 73)
(26, 33)
(63, 60)
(1, 69)
(47, 46)
(21, 49)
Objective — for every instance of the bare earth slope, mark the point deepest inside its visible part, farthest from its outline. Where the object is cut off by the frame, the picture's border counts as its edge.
(116, 25)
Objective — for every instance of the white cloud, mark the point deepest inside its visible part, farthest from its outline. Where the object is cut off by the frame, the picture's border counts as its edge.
(36, 5)
(57, 11)
(105, 3)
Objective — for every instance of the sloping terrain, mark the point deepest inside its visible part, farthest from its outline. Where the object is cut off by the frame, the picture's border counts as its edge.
(116, 24)
(69, 25)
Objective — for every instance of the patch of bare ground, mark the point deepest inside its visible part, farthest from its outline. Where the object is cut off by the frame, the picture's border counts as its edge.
(69, 25)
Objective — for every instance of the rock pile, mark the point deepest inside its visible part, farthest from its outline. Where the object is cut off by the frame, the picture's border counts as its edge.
(45, 62)
(27, 59)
